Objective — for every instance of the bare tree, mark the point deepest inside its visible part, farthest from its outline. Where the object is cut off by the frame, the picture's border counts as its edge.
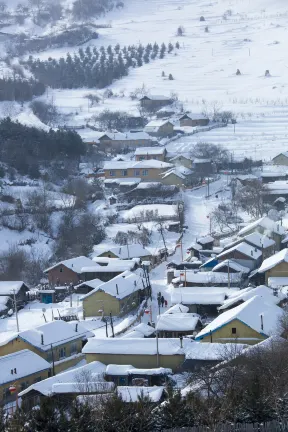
(250, 198)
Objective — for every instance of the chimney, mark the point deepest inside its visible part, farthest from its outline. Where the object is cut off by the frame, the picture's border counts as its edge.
(42, 339)
(15, 371)
(76, 327)
(262, 324)
(12, 372)
(181, 341)
(117, 291)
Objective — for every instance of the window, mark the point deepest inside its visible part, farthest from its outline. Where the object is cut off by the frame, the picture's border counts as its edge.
(61, 270)
(233, 330)
(73, 348)
(49, 356)
(62, 353)
(137, 172)
(112, 173)
(124, 173)
(145, 172)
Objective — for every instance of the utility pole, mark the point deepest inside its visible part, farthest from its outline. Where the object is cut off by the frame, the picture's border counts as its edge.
(228, 274)
(16, 312)
(181, 244)
(106, 324)
(208, 187)
(157, 349)
(161, 230)
(111, 323)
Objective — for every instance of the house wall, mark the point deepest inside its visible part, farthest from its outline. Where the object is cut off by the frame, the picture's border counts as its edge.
(164, 130)
(103, 301)
(21, 384)
(194, 122)
(153, 174)
(148, 103)
(244, 334)
(280, 160)
(280, 270)
(62, 275)
(174, 180)
(103, 276)
(139, 361)
(18, 345)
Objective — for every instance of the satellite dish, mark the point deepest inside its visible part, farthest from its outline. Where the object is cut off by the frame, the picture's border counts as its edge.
(43, 310)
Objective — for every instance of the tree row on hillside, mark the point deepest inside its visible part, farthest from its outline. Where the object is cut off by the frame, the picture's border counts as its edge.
(25, 148)
(20, 90)
(93, 67)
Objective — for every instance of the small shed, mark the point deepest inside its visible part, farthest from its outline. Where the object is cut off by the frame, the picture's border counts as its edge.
(129, 375)
(193, 120)
(47, 296)
(206, 242)
(178, 325)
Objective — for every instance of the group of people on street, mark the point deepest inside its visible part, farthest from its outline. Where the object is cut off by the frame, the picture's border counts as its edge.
(161, 300)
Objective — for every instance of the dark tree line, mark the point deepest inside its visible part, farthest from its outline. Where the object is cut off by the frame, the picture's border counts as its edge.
(20, 90)
(25, 148)
(94, 68)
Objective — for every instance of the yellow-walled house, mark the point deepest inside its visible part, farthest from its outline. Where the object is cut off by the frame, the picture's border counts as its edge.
(126, 252)
(117, 297)
(148, 153)
(146, 170)
(276, 267)
(138, 352)
(248, 323)
(57, 342)
(182, 160)
(281, 159)
(20, 370)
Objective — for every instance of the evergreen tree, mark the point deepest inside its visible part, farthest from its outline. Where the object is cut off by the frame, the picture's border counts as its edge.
(170, 47)
(177, 45)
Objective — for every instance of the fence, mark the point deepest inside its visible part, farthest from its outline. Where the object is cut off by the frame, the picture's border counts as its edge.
(195, 131)
(273, 426)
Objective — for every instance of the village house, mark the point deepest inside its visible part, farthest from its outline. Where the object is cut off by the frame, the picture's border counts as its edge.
(270, 176)
(193, 120)
(190, 278)
(202, 300)
(206, 242)
(19, 370)
(148, 153)
(140, 353)
(10, 288)
(274, 190)
(266, 226)
(250, 322)
(106, 269)
(77, 378)
(113, 142)
(116, 297)
(58, 342)
(275, 269)
(141, 330)
(88, 286)
(182, 160)
(281, 159)
(68, 271)
(153, 102)
(243, 254)
(230, 266)
(128, 375)
(261, 241)
(177, 176)
(159, 128)
(128, 251)
(146, 170)
(267, 294)
(178, 325)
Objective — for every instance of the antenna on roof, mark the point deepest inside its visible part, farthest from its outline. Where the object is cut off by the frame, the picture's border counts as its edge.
(117, 291)
(42, 339)
(262, 324)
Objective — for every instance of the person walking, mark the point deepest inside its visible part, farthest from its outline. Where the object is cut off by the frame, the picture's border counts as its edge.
(162, 301)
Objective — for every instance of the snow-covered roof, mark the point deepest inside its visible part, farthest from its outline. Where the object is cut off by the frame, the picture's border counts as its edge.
(201, 295)
(24, 362)
(143, 151)
(123, 252)
(55, 333)
(120, 286)
(126, 136)
(259, 240)
(130, 181)
(115, 369)
(177, 322)
(206, 277)
(249, 313)
(233, 265)
(167, 346)
(148, 185)
(243, 295)
(176, 309)
(266, 223)
(274, 260)
(277, 282)
(244, 248)
(83, 387)
(194, 116)
(277, 187)
(132, 394)
(154, 125)
(175, 172)
(94, 283)
(282, 153)
(7, 287)
(274, 174)
(212, 351)
(205, 240)
(145, 164)
(95, 368)
(145, 329)
(115, 265)
(74, 264)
